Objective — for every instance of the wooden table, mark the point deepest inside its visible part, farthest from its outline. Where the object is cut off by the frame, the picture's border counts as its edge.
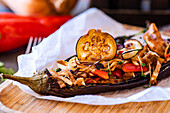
(14, 99)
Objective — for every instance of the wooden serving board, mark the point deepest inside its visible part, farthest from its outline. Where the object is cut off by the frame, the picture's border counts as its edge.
(14, 100)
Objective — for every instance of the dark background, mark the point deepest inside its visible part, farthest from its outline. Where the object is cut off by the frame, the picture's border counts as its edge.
(136, 12)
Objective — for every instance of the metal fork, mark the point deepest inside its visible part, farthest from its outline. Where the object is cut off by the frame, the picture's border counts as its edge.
(32, 42)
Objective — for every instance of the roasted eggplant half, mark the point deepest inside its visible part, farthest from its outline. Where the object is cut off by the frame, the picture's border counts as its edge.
(43, 83)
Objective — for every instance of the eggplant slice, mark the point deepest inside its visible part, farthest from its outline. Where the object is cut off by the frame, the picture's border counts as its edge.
(43, 83)
(133, 46)
(96, 45)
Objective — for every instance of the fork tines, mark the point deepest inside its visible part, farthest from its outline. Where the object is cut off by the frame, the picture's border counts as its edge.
(32, 42)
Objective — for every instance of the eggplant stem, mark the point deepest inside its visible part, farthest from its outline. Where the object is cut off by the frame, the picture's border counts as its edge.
(38, 83)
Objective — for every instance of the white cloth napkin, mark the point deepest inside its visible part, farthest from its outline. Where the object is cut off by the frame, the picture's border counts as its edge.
(61, 45)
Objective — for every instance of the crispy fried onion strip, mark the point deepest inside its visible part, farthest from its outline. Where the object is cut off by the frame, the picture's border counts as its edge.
(70, 75)
(142, 52)
(153, 79)
(55, 75)
(64, 66)
(112, 64)
(84, 68)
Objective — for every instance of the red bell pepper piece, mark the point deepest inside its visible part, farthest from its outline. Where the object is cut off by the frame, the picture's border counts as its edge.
(117, 72)
(90, 80)
(101, 74)
(130, 67)
(7, 15)
(97, 79)
(15, 30)
(167, 55)
(120, 52)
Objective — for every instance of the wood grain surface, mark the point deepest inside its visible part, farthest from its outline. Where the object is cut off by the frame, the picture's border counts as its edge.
(14, 100)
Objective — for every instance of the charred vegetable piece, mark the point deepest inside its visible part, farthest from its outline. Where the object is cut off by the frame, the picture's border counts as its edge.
(95, 46)
(130, 67)
(154, 40)
(132, 48)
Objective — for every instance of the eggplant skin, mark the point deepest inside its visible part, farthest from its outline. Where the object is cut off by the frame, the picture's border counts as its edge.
(101, 88)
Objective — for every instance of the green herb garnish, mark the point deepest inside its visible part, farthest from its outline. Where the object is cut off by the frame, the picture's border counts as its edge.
(58, 70)
(143, 75)
(143, 64)
(147, 86)
(2, 79)
(110, 73)
(144, 30)
(108, 70)
(5, 70)
(120, 62)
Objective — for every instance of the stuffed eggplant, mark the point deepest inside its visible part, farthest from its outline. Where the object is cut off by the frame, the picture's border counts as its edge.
(81, 74)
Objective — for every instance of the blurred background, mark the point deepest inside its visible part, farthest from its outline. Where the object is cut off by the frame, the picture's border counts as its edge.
(134, 12)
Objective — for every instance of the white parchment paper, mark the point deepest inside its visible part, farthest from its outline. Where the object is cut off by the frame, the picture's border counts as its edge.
(61, 45)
